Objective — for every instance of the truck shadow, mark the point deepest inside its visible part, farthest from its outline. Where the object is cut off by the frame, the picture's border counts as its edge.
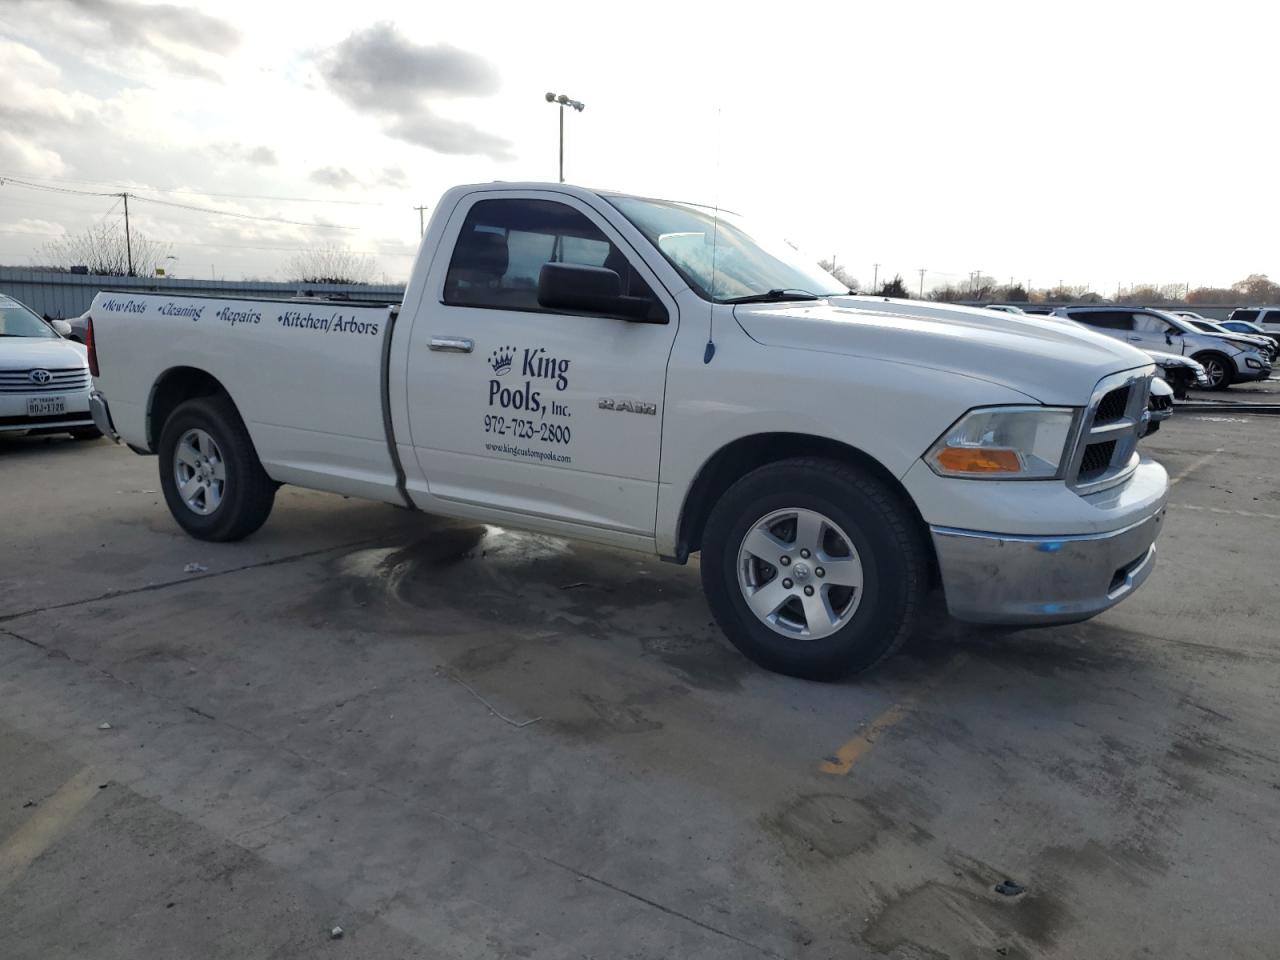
(542, 589)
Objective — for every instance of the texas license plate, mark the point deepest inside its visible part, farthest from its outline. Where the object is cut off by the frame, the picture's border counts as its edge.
(46, 406)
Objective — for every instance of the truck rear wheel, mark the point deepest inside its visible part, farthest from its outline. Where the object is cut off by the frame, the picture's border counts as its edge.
(814, 568)
(212, 479)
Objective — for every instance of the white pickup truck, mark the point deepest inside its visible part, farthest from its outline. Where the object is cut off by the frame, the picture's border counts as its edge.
(660, 377)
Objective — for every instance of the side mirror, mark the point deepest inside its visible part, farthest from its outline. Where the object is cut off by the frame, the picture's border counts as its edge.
(61, 327)
(573, 286)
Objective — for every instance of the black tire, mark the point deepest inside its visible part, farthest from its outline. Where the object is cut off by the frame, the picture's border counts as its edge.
(248, 493)
(881, 527)
(86, 433)
(1222, 362)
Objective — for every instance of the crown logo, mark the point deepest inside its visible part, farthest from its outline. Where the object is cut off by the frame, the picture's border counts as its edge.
(501, 360)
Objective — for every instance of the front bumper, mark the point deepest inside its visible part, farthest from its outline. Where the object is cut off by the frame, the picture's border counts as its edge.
(997, 578)
(14, 417)
(1247, 374)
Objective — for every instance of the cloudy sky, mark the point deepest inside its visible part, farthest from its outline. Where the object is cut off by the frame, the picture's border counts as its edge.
(1082, 142)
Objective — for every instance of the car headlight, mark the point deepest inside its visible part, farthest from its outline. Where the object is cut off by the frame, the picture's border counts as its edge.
(1004, 443)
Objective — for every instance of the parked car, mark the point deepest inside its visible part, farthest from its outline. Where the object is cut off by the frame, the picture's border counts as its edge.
(1159, 406)
(1225, 358)
(44, 379)
(1268, 318)
(79, 327)
(1244, 326)
(1188, 314)
(578, 363)
(1212, 326)
(1178, 372)
(1005, 308)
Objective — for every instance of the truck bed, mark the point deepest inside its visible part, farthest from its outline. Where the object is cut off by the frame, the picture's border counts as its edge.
(306, 373)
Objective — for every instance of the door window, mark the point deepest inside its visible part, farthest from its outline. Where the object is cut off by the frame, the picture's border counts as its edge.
(504, 244)
(1104, 319)
(1150, 323)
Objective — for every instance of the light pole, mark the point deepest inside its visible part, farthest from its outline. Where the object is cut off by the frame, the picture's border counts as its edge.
(563, 102)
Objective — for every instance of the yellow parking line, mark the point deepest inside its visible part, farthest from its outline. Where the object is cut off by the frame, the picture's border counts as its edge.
(855, 749)
(45, 825)
(1196, 465)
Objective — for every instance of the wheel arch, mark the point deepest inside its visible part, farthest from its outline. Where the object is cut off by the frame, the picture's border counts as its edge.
(739, 457)
(173, 387)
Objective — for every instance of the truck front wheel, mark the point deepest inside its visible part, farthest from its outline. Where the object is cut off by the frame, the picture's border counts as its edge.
(212, 479)
(814, 568)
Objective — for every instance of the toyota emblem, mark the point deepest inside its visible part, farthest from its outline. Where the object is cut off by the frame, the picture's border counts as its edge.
(40, 376)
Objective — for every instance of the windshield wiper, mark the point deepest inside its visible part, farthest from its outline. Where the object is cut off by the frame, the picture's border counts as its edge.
(776, 296)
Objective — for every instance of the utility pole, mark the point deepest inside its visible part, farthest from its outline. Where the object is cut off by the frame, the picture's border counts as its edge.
(128, 242)
(922, 283)
(875, 281)
(422, 224)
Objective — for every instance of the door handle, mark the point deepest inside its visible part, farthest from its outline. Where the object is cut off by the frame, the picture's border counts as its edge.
(452, 344)
(1136, 339)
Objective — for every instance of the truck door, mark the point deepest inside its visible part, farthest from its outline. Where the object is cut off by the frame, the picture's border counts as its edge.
(532, 410)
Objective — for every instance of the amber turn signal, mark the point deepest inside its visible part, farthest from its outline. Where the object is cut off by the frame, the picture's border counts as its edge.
(978, 460)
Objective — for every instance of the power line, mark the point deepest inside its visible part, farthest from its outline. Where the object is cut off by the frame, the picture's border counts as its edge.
(230, 245)
(207, 193)
(241, 216)
(171, 203)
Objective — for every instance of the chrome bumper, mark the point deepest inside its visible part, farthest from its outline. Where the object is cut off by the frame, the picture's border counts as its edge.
(102, 415)
(998, 578)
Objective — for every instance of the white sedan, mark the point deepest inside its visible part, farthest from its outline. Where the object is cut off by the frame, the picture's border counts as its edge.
(44, 379)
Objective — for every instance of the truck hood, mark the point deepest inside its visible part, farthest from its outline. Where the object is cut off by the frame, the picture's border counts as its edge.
(26, 353)
(1051, 361)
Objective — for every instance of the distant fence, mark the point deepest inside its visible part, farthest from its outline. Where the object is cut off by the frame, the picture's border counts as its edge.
(61, 295)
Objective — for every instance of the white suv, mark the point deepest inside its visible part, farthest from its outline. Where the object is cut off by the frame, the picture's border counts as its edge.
(1226, 359)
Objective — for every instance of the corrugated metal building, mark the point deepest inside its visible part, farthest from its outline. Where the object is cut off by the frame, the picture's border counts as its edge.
(61, 295)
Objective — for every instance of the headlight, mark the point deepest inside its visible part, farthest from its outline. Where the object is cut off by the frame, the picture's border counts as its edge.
(1004, 443)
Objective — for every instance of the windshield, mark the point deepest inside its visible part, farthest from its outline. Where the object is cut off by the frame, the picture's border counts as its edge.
(721, 258)
(17, 321)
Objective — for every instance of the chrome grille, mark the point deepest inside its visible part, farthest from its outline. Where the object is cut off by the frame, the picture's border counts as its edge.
(1096, 459)
(66, 380)
(1105, 451)
(1113, 405)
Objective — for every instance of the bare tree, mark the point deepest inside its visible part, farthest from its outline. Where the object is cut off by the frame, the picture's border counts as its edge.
(1257, 288)
(894, 288)
(1213, 295)
(331, 264)
(103, 250)
(840, 273)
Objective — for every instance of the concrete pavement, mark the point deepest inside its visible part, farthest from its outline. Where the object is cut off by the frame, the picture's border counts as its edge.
(461, 742)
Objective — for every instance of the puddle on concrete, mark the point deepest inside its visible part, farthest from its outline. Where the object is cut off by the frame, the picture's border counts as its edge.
(538, 587)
